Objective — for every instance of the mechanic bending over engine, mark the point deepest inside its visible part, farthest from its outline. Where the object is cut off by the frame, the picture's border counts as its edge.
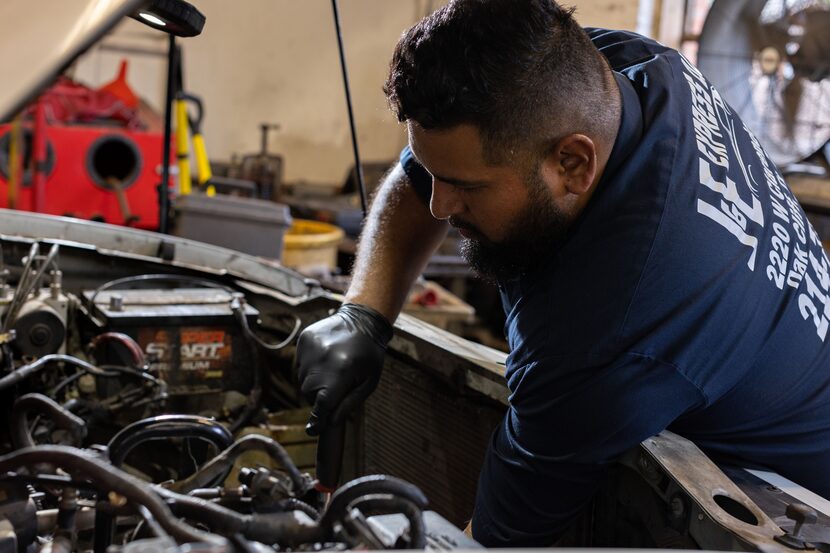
(655, 269)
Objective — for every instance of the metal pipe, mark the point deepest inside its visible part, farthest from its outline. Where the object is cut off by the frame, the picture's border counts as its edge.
(21, 285)
(48, 518)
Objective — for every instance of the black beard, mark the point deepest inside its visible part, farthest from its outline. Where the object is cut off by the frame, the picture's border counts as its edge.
(529, 242)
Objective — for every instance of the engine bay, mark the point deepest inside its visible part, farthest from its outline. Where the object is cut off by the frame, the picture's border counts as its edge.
(134, 411)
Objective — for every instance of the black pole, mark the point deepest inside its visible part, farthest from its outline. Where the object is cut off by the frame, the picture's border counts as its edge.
(164, 187)
(358, 167)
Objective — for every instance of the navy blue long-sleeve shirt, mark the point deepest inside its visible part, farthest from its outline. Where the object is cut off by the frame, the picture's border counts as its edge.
(691, 294)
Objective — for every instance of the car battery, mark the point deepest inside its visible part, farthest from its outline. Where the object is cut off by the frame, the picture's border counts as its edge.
(190, 337)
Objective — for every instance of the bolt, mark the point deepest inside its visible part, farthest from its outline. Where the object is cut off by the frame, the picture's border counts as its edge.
(56, 284)
(116, 302)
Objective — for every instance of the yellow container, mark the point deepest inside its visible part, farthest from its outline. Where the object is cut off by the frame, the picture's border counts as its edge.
(309, 244)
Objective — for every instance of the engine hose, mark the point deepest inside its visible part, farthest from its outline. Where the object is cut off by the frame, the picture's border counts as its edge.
(38, 403)
(287, 529)
(139, 360)
(108, 478)
(112, 371)
(26, 371)
(294, 504)
(375, 485)
(223, 462)
(381, 505)
(166, 427)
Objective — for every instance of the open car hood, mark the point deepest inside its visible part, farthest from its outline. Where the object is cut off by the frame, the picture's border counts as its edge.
(39, 42)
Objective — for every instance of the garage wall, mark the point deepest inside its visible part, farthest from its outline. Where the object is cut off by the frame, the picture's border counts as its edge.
(276, 61)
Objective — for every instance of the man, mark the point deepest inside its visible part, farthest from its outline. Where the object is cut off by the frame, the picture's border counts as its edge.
(655, 270)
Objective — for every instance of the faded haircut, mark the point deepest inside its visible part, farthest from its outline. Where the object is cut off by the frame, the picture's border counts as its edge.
(522, 71)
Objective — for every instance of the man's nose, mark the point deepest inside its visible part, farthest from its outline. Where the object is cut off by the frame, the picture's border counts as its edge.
(445, 200)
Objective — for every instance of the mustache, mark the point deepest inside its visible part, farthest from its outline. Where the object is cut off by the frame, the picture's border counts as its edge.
(462, 224)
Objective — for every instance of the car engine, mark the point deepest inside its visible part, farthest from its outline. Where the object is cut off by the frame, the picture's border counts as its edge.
(131, 411)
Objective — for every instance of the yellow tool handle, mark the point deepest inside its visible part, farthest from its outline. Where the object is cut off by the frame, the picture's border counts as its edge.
(202, 163)
(182, 155)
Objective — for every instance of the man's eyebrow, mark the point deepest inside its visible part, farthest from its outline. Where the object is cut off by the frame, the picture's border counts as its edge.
(459, 182)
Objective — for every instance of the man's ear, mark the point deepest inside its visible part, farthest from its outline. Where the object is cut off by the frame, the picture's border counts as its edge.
(573, 162)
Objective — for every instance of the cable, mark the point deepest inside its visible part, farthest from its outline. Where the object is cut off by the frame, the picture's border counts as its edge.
(187, 279)
(26, 371)
(237, 306)
(50, 258)
(24, 289)
(112, 371)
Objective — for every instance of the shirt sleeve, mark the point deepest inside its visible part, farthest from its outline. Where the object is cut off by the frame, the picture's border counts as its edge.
(562, 431)
(419, 178)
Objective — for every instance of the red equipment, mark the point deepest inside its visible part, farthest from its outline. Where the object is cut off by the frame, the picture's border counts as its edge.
(93, 158)
(85, 166)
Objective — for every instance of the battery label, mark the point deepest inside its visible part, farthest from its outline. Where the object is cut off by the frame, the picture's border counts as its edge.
(188, 355)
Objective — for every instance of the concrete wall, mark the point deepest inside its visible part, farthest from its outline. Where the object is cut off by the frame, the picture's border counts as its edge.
(276, 61)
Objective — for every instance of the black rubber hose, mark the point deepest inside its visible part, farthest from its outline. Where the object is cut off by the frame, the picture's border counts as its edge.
(106, 477)
(294, 504)
(287, 529)
(113, 371)
(26, 371)
(38, 403)
(165, 427)
(375, 485)
(224, 461)
(381, 505)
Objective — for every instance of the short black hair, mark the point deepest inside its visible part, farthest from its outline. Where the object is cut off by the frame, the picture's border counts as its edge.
(522, 71)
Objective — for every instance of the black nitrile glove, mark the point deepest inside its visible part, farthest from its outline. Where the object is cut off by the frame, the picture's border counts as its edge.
(339, 360)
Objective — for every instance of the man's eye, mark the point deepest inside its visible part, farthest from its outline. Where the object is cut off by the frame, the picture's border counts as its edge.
(471, 187)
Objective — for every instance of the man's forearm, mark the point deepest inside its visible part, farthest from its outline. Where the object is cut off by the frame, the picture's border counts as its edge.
(398, 239)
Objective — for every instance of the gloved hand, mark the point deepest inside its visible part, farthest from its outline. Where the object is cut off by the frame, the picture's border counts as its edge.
(339, 360)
